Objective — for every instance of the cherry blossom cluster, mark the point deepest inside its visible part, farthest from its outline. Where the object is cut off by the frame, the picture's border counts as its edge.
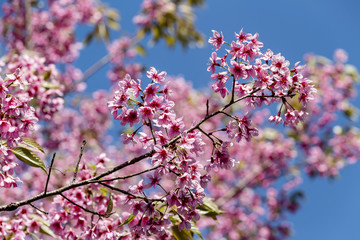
(267, 72)
(178, 145)
(335, 83)
(324, 150)
(120, 51)
(172, 149)
(49, 32)
(17, 117)
(29, 93)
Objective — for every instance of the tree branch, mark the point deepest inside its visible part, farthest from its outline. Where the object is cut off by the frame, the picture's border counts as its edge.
(15, 205)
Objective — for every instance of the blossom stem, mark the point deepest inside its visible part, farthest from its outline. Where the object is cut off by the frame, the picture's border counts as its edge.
(78, 162)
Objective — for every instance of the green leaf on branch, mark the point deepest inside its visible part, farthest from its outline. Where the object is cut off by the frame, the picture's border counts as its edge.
(49, 85)
(141, 50)
(32, 143)
(181, 235)
(128, 220)
(109, 206)
(47, 231)
(47, 75)
(209, 208)
(103, 191)
(113, 24)
(44, 228)
(28, 157)
(352, 71)
(195, 230)
(89, 38)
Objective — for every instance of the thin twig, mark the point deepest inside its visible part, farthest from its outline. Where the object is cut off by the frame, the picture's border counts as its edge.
(38, 209)
(233, 90)
(130, 194)
(152, 132)
(48, 177)
(128, 176)
(78, 162)
(207, 107)
(241, 185)
(206, 134)
(85, 209)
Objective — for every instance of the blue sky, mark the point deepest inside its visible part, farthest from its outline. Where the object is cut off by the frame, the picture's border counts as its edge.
(331, 209)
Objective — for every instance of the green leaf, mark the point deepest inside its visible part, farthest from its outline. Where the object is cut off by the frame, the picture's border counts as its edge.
(113, 24)
(170, 40)
(89, 38)
(109, 206)
(33, 143)
(112, 14)
(352, 71)
(103, 191)
(104, 32)
(183, 235)
(128, 220)
(46, 230)
(47, 75)
(141, 50)
(34, 236)
(49, 85)
(209, 208)
(195, 230)
(175, 219)
(28, 157)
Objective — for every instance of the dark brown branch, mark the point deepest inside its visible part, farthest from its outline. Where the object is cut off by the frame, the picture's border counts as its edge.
(207, 107)
(233, 90)
(38, 209)
(128, 176)
(130, 194)
(85, 209)
(48, 177)
(152, 132)
(15, 205)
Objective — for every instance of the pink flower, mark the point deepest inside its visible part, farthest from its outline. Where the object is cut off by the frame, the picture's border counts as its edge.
(155, 76)
(213, 62)
(130, 116)
(279, 64)
(239, 70)
(217, 40)
(150, 91)
(243, 37)
(277, 119)
(160, 156)
(172, 199)
(175, 127)
(154, 180)
(235, 50)
(146, 113)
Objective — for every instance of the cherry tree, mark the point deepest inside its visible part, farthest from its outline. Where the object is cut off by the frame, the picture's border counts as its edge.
(219, 164)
